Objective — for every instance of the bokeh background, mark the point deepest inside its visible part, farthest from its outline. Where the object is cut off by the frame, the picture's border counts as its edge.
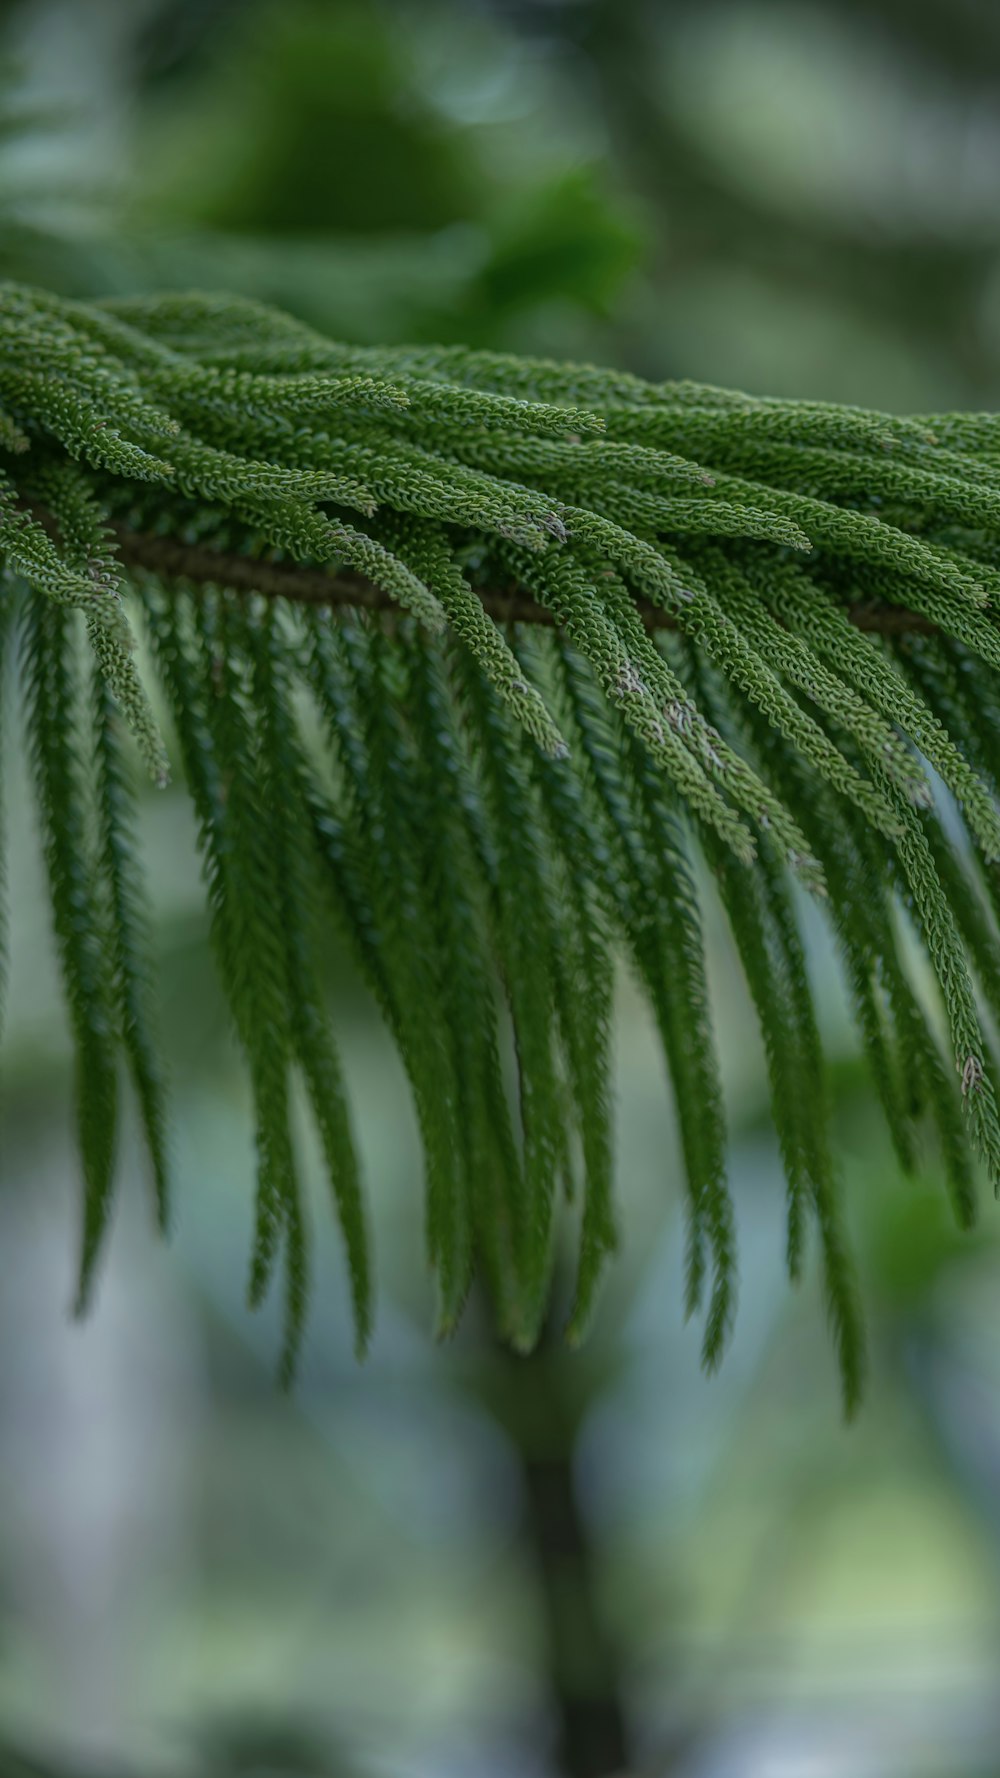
(447, 1564)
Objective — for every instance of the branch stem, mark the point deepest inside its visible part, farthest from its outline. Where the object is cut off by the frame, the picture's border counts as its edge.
(173, 559)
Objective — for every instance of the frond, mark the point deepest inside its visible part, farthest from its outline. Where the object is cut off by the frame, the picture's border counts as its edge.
(6, 627)
(483, 660)
(58, 750)
(129, 927)
(282, 777)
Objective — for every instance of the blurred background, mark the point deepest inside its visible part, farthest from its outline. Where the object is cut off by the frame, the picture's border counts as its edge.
(448, 1564)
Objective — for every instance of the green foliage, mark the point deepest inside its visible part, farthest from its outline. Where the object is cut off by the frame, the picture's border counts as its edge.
(465, 220)
(527, 639)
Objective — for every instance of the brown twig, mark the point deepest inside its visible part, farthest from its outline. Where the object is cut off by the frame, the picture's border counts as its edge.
(174, 559)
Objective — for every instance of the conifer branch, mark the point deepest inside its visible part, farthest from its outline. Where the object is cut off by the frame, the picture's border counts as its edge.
(169, 558)
(633, 625)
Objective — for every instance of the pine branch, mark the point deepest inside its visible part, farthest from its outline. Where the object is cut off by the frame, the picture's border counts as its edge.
(168, 558)
(482, 659)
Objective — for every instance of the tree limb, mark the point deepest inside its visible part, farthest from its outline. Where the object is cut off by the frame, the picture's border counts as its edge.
(173, 559)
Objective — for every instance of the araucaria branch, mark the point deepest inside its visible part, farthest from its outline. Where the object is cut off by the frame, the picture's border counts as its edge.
(469, 655)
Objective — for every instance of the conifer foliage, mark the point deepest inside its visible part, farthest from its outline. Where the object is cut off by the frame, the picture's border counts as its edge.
(470, 657)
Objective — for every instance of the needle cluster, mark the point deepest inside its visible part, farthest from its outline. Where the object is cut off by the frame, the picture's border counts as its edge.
(582, 631)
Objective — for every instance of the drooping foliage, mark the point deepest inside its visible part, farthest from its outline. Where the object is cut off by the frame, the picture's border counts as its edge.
(470, 658)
